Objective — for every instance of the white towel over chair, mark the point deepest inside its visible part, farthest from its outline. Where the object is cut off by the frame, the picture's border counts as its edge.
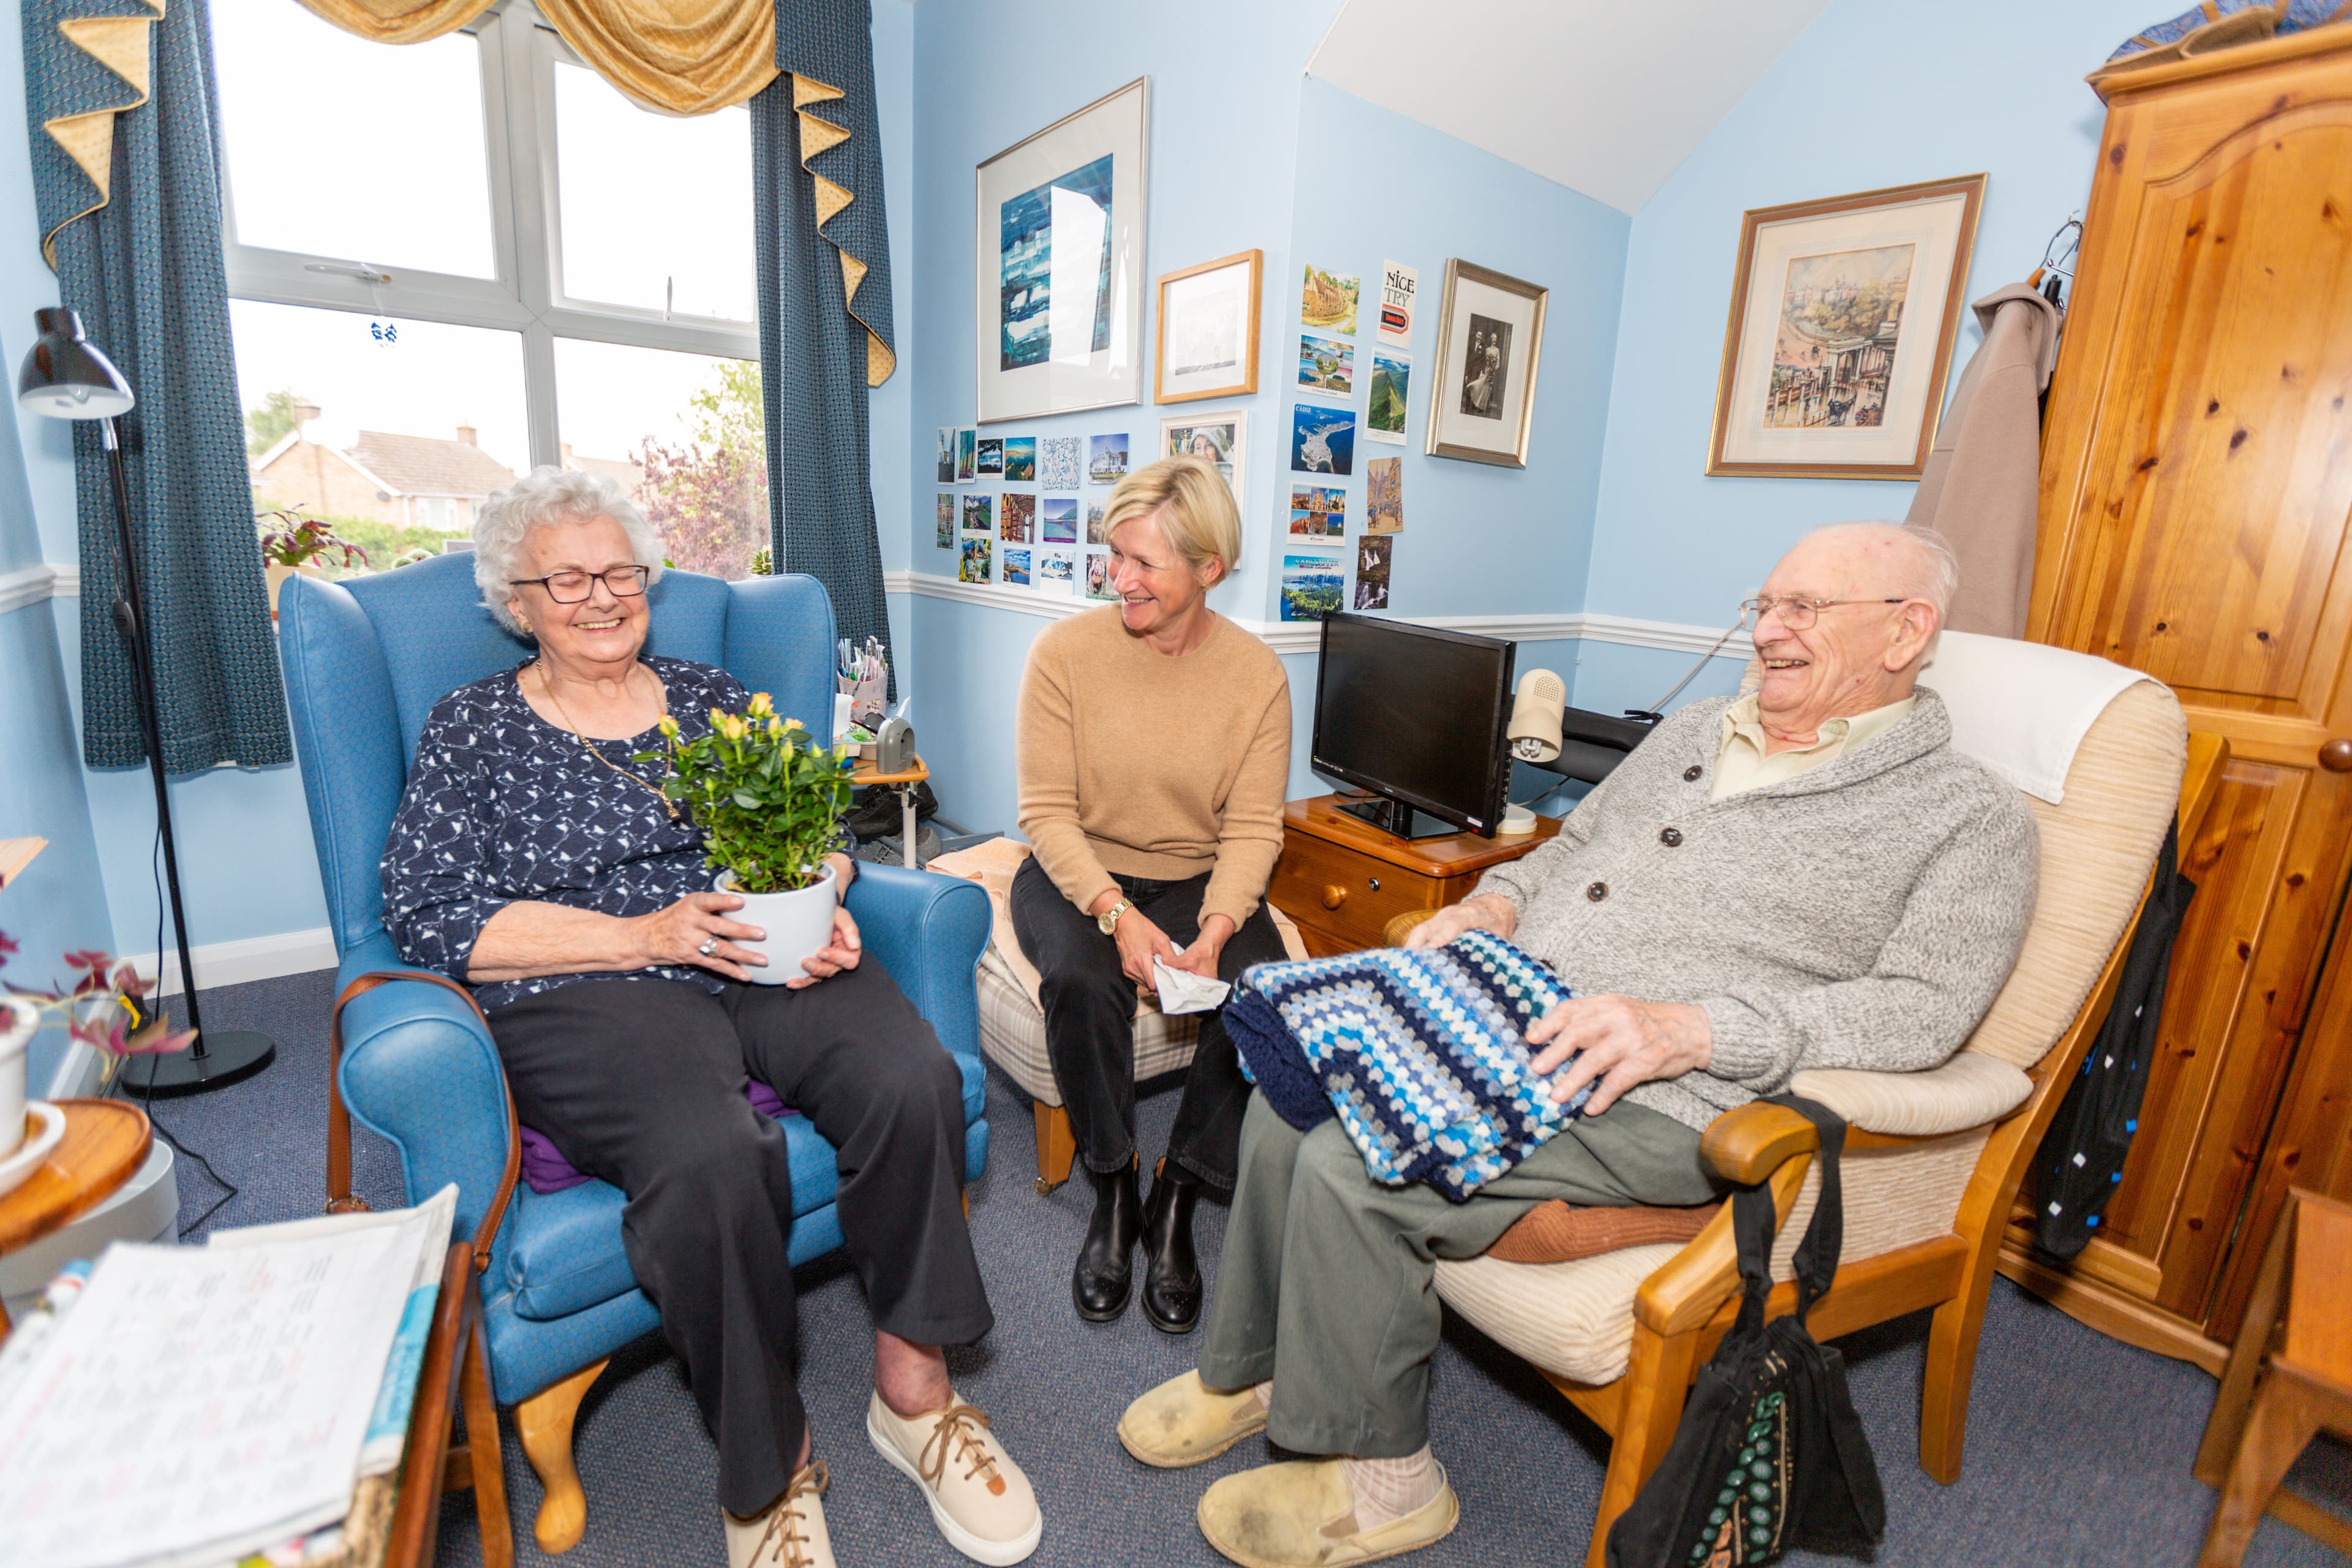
(2022, 708)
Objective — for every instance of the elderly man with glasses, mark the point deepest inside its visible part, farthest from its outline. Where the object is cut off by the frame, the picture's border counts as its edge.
(1807, 875)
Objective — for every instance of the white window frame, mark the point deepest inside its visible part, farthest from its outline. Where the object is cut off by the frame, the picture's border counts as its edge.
(519, 57)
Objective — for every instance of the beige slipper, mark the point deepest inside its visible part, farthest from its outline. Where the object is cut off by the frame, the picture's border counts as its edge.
(791, 1534)
(1303, 1515)
(1182, 1423)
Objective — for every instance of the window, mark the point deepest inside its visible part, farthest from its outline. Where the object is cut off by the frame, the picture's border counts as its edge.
(453, 261)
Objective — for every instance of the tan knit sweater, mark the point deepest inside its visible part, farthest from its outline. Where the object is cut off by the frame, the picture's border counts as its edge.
(1150, 766)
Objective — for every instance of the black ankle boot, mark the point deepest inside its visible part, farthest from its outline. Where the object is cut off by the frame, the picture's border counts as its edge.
(1171, 1273)
(1104, 1275)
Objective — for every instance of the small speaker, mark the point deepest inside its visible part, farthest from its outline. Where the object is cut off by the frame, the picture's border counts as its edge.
(1535, 716)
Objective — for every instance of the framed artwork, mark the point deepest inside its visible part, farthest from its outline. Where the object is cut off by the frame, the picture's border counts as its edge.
(1208, 330)
(1842, 317)
(1489, 345)
(1059, 280)
(1221, 435)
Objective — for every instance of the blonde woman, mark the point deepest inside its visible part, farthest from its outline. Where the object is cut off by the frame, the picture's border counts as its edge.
(1154, 749)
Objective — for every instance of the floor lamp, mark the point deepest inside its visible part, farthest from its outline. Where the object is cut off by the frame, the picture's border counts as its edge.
(66, 377)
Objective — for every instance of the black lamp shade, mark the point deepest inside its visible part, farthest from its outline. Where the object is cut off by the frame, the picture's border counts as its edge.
(65, 376)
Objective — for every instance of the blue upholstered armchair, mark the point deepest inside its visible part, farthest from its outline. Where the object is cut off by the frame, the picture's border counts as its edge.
(365, 662)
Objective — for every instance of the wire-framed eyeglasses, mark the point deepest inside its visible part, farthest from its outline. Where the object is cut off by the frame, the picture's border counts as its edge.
(1797, 612)
(574, 587)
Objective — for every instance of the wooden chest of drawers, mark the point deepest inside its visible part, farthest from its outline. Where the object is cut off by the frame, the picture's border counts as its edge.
(1341, 880)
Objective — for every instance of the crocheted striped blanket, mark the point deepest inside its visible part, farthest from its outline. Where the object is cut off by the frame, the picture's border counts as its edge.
(1418, 1051)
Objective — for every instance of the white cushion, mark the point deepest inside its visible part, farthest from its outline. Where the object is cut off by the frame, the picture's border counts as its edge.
(1969, 1090)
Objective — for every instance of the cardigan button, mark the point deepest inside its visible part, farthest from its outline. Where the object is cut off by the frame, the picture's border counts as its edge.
(1671, 837)
(1598, 891)
(1690, 773)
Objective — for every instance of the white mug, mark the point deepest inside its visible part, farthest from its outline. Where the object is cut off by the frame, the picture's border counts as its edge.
(23, 1021)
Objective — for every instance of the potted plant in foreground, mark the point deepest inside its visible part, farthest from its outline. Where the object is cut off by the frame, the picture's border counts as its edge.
(296, 546)
(768, 799)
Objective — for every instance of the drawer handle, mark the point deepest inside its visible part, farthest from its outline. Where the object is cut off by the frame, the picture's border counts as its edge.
(2336, 756)
(1334, 896)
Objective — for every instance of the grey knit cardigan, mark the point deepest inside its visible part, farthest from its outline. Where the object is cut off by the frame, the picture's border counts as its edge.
(1863, 914)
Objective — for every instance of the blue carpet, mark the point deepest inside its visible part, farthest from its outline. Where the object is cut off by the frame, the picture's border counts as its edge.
(2078, 1447)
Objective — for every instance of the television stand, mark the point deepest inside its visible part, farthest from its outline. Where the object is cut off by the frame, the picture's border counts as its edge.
(1341, 880)
(1397, 818)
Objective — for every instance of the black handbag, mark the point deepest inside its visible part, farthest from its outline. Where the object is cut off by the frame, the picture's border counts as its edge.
(1769, 1456)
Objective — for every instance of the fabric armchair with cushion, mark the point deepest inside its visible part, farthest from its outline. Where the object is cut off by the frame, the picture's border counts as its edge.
(364, 661)
(1933, 1159)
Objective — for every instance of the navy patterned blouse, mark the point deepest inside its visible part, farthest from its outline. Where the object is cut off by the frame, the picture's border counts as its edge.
(504, 807)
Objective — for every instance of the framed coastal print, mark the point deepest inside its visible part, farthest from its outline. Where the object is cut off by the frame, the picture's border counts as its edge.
(1208, 330)
(1219, 436)
(1842, 317)
(1489, 345)
(1059, 277)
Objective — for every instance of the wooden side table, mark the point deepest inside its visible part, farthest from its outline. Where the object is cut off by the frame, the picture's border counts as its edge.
(456, 1374)
(104, 1144)
(1341, 880)
(903, 782)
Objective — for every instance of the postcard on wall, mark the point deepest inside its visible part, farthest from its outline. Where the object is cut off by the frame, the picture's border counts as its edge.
(1213, 435)
(1842, 318)
(1021, 460)
(1208, 330)
(967, 458)
(973, 566)
(1016, 515)
(1098, 576)
(1058, 516)
(1061, 462)
(1016, 568)
(1398, 286)
(1322, 440)
(1318, 511)
(976, 513)
(1384, 495)
(1056, 571)
(1095, 523)
(992, 457)
(1326, 365)
(947, 453)
(1328, 301)
(1107, 459)
(1392, 382)
(1059, 283)
(947, 520)
(1313, 586)
(1489, 346)
(1373, 555)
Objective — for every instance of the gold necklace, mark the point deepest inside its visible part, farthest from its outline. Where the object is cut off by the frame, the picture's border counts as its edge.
(548, 685)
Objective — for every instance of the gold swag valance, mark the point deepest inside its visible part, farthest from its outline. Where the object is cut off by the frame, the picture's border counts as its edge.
(680, 57)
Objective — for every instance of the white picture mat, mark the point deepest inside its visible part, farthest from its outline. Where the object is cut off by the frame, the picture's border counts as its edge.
(1208, 329)
(1114, 126)
(1934, 229)
(1455, 428)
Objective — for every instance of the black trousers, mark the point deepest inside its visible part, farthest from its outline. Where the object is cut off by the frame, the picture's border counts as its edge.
(641, 1082)
(1089, 1022)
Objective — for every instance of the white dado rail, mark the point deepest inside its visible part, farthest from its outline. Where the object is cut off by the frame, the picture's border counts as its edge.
(31, 584)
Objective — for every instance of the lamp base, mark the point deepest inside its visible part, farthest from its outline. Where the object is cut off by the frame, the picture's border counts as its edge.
(230, 1056)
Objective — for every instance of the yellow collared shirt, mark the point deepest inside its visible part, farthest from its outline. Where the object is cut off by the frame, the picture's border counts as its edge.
(1741, 762)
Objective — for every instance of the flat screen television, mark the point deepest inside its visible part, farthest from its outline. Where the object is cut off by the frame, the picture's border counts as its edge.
(1416, 716)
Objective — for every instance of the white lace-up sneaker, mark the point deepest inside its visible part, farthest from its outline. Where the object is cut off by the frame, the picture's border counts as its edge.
(980, 1498)
(791, 1534)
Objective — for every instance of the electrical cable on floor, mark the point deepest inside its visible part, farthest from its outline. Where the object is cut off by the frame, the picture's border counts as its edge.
(147, 1101)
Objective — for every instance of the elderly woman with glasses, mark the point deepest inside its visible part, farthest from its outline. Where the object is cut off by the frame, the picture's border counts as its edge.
(535, 860)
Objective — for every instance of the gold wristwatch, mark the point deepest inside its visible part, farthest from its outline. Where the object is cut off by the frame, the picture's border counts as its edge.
(1108, 919)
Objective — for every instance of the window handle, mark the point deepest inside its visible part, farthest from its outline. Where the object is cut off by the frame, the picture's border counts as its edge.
(360, 270)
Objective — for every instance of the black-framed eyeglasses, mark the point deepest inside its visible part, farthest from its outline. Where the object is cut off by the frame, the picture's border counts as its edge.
(1797, 612)
(574, 587)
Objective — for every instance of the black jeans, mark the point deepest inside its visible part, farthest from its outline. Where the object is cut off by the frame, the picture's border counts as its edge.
(1089, 1022)
(641, 1082)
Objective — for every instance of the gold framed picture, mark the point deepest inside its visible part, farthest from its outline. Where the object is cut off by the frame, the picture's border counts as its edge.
(1490, 347)
(1208, 330)
(1844, 312)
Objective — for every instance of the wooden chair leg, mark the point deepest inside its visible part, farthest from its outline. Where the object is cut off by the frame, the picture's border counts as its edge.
(2282, 1422)
(544, 1422)
(1951, 1369)
(1057, 1146)
(486, 1460)
(1657, 1385)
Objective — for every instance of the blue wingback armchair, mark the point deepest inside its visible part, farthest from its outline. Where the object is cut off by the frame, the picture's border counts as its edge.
(366, 661)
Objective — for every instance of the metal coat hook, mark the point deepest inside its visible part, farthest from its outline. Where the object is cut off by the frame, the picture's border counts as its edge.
(2058, 263)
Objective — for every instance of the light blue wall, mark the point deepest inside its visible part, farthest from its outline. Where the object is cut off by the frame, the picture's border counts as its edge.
(1869, 95)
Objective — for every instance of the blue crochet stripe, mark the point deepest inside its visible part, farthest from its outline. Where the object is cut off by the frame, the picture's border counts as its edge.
(1420, 1053)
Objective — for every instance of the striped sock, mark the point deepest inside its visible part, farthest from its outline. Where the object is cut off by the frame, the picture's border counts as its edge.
(1391, 1488)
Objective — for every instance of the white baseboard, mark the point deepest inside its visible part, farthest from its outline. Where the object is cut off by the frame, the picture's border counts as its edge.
(255, 958)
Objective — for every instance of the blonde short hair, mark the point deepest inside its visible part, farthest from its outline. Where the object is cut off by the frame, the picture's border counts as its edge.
(1195, 506)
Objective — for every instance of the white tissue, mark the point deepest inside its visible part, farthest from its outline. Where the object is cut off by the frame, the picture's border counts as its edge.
(1182, 991)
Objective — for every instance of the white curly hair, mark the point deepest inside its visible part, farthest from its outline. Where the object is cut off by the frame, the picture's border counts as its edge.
(542, 497)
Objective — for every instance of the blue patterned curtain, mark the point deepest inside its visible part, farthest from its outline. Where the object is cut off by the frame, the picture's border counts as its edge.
(824, 301)
(126, 172)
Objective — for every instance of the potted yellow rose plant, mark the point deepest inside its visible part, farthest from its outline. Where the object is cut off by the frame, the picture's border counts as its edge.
(768, 799)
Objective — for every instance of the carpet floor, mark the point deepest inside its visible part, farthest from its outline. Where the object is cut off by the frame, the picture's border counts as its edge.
(2078, 1447)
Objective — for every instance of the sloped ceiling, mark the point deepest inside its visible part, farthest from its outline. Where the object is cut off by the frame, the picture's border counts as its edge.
(1607, 97)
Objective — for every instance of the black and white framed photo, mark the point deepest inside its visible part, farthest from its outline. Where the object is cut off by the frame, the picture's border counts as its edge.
(1059, 284)
(1489, 344)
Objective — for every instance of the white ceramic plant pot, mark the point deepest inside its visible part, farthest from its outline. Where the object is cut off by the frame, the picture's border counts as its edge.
(798, 923)
(22, 1021)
